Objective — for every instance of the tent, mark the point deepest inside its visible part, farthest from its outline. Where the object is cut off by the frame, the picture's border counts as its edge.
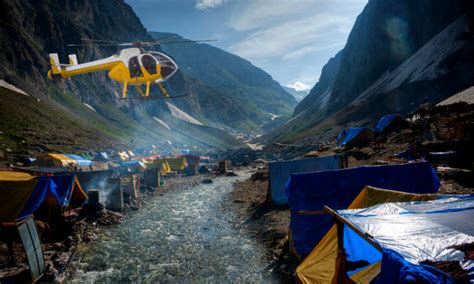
(310, 192)
(280, 172)
(135, 164)
(101, 156)
(177, 164)
(22, 194)
(407, 240)
(123, 155)
(205, 159)
(341, 136)
(62, 191)
(54, 160)
(356, 137)
(390, 123)
(192, 160)
(320, 265)
(163, 165)
(15, 190)
(81, 161)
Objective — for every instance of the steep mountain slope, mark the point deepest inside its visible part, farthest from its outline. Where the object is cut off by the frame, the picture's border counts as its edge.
(387, 35)
(229, 89)
(319, 95)
(384, 35)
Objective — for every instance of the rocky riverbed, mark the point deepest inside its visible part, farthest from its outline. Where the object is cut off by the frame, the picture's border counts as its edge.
(188, 233)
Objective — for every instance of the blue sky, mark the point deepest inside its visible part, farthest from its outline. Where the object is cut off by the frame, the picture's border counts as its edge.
(289, 39)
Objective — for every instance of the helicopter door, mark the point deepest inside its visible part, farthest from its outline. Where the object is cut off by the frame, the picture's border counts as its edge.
(149, 63)
(134, 67)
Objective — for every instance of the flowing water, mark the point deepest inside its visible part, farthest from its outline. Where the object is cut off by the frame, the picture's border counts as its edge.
(186, 235)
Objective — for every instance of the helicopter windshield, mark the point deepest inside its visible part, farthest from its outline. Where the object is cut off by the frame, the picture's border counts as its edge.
(134, 68)
(149, 63)
(168, 67)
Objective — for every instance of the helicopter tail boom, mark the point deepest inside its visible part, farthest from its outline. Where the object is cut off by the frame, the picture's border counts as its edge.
(74, 68)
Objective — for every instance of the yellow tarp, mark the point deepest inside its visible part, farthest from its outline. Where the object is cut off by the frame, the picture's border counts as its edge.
(163, 165)
(320, 265)
(177, 164)
(78, 195)
(15, 190)
(55, 160)
(63, 159)
(123, 156)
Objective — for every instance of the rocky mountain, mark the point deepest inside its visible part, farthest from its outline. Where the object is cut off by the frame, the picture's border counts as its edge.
(399, 54)
(228, 89)
(319, 95)
(298, 95)
(84, 112)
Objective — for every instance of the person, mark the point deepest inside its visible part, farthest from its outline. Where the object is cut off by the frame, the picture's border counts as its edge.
(134, 68)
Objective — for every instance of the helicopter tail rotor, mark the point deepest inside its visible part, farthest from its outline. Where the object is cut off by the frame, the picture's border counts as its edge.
(55, 66)
(72, 59)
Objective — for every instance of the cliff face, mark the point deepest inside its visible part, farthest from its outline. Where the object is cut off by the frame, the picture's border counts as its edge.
(380, 69)
(319, 95)
(384, 35)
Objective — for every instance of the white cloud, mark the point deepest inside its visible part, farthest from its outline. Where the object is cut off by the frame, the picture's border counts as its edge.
(208, 4)
(299, 86)
(311, 33)
(298, 53)
(292, 40)
(263, 12)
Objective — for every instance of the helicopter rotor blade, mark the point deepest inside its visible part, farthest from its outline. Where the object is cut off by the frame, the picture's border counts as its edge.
(178, 41)
(101, 40)
(99, 44)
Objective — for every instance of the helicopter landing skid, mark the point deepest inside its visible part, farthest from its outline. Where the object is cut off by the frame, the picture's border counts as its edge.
(143, 98)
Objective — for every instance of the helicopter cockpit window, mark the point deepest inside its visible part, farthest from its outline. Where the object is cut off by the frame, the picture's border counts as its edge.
(167, 66)
(149, 63)
(134, 67)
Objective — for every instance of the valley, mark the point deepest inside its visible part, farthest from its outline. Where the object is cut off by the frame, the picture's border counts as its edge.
(178, 142)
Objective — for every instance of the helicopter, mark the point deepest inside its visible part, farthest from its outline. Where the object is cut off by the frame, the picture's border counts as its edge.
(130, 66)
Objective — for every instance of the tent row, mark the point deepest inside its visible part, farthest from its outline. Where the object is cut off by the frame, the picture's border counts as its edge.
(362, 136)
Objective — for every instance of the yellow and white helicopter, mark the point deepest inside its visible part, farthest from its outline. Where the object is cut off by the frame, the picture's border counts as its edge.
(130, 66)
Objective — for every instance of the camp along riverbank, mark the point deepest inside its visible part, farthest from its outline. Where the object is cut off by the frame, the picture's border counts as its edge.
(185, 234)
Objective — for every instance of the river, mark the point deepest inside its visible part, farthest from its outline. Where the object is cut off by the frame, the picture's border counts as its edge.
(186, 235)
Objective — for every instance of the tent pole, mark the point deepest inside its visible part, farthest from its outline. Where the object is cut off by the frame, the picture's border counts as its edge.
(340, 220)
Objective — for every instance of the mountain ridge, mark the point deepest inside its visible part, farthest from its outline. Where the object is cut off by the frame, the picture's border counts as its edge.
(386, 34)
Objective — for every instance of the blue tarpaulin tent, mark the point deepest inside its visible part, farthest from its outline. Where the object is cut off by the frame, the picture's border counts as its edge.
(341, 136)
(101, 156)
(44, 187)
(132, 164)
(81, 161)
(280, 172)
(389, 123)
(61, 188)
(337, 189)
(409, 233)
(384, 122)
(355, 136)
